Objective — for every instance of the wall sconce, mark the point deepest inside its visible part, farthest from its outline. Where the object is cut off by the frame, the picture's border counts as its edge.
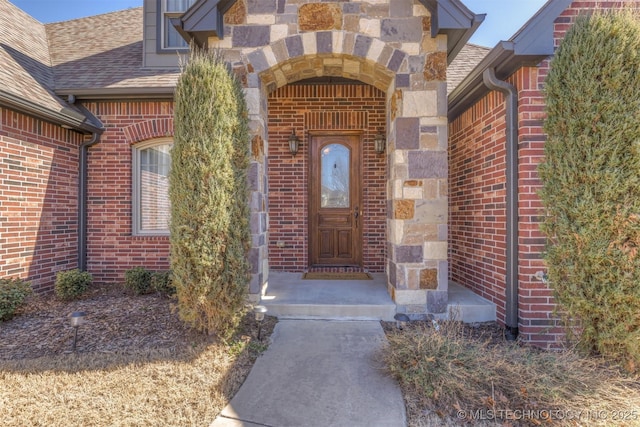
(294, 143)
(379, 142)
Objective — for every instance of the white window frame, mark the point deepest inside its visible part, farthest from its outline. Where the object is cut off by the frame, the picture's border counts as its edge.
(136, 187)
(163, 22)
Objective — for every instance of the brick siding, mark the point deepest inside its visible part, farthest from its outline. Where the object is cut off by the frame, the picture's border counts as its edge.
(38, 199)
(477, 196)
(111, 247)
(302, 107)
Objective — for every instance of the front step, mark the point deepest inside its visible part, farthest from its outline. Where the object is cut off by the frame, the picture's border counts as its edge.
(289, 296)
(469, 307)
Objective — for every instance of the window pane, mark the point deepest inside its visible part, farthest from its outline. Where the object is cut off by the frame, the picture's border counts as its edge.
(178, 5)
(334, 165)
(154, 188)
(172, 37)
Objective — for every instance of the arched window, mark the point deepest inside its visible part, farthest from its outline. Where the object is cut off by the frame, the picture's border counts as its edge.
(151, 210)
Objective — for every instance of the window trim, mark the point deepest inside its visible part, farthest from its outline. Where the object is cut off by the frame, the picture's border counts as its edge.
(160, 28)
(136, 214)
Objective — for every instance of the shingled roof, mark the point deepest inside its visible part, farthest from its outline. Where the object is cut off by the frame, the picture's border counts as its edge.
(25, 73)
(468, 58)
(102, 54)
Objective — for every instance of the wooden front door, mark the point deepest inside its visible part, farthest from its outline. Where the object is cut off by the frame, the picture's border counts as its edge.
(335, 201)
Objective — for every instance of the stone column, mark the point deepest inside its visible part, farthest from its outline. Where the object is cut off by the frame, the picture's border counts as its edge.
(418, 267)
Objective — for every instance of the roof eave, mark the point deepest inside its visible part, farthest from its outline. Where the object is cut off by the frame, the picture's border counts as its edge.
(528, 47)
(165, 92)
(65, 117)
(202, 20)
(454, 19)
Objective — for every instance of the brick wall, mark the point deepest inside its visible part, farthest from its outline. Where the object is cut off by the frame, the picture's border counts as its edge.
(111, 247)
(477, 196)
(38, 199)
(321, 107)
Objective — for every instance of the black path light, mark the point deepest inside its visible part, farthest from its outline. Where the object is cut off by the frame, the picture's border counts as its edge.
(259, 311)
(401, 320)
(77, 319)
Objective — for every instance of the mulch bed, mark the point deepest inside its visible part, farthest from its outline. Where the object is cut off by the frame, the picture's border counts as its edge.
(116, 321)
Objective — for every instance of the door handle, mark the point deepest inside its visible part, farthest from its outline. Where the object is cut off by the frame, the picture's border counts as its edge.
(356, 215)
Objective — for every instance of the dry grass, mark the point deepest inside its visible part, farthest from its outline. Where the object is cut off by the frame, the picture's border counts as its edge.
(450, 378)
(176, 385)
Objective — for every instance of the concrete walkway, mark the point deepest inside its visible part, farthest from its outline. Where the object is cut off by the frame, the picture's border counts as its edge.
(318, 373)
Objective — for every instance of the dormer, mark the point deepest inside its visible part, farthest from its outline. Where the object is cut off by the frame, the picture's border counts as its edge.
(169, 26)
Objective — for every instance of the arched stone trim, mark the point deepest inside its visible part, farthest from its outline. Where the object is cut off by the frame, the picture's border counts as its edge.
(328, 53)
(150, 129)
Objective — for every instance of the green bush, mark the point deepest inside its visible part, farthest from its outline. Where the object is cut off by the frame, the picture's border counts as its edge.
(209, 230)
(138, 279)
(13, 292)
(591, 182)
(72, 283)
(161, 282)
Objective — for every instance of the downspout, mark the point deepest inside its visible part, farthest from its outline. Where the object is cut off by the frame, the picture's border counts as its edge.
(82, 201)
(511, 105)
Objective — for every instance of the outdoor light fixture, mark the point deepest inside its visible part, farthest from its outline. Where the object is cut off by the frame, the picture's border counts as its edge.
(294, 143)
(379, 142)
(77, 319)
(259, 311)
(401, 320)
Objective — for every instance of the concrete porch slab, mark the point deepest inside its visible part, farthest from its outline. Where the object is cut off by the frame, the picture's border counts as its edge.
(469, 307)
(288, 296)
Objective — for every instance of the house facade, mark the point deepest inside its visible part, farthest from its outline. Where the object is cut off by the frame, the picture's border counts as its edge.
(86, 129)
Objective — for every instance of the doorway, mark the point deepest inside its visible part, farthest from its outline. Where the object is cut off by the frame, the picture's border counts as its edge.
(335, 199)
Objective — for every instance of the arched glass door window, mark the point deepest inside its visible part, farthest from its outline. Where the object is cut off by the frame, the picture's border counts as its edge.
(334, 164)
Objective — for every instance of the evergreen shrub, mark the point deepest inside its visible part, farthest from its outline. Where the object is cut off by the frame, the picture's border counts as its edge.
(72, 284)
(13, 292)
(138, 279)
(209, 229)
(591, 182)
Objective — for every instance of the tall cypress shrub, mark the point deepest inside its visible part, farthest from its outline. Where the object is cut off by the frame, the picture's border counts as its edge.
(209, 226)
(591, 182)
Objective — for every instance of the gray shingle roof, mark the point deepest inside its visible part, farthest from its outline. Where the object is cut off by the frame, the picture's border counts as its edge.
(25, 65)
(103, 52)
(468, 57)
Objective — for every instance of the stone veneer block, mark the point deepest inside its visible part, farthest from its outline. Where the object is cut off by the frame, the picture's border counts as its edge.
(427, 164)
(252, 177)
(370, 27)
(280, 4)
(236, 15)
(396, 60)
(402, 80)
(443, 275)
(400, 8)
(337, 40)
(294, 46)
(420, 103)
(362, 45)
(279, 32)
(309, 43)
(280, 51)
(435, 250)
(261, 6)
(437, 301)
(375, 50)
(261, 19)
(435, 67)
(258, 61)
(351, 8)
(251, 35)
(429, 278)
(401, 29)
(320, 16)
(403, 209)
(409, 254)
(411, 297)
(407, 133)
(324, 42)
